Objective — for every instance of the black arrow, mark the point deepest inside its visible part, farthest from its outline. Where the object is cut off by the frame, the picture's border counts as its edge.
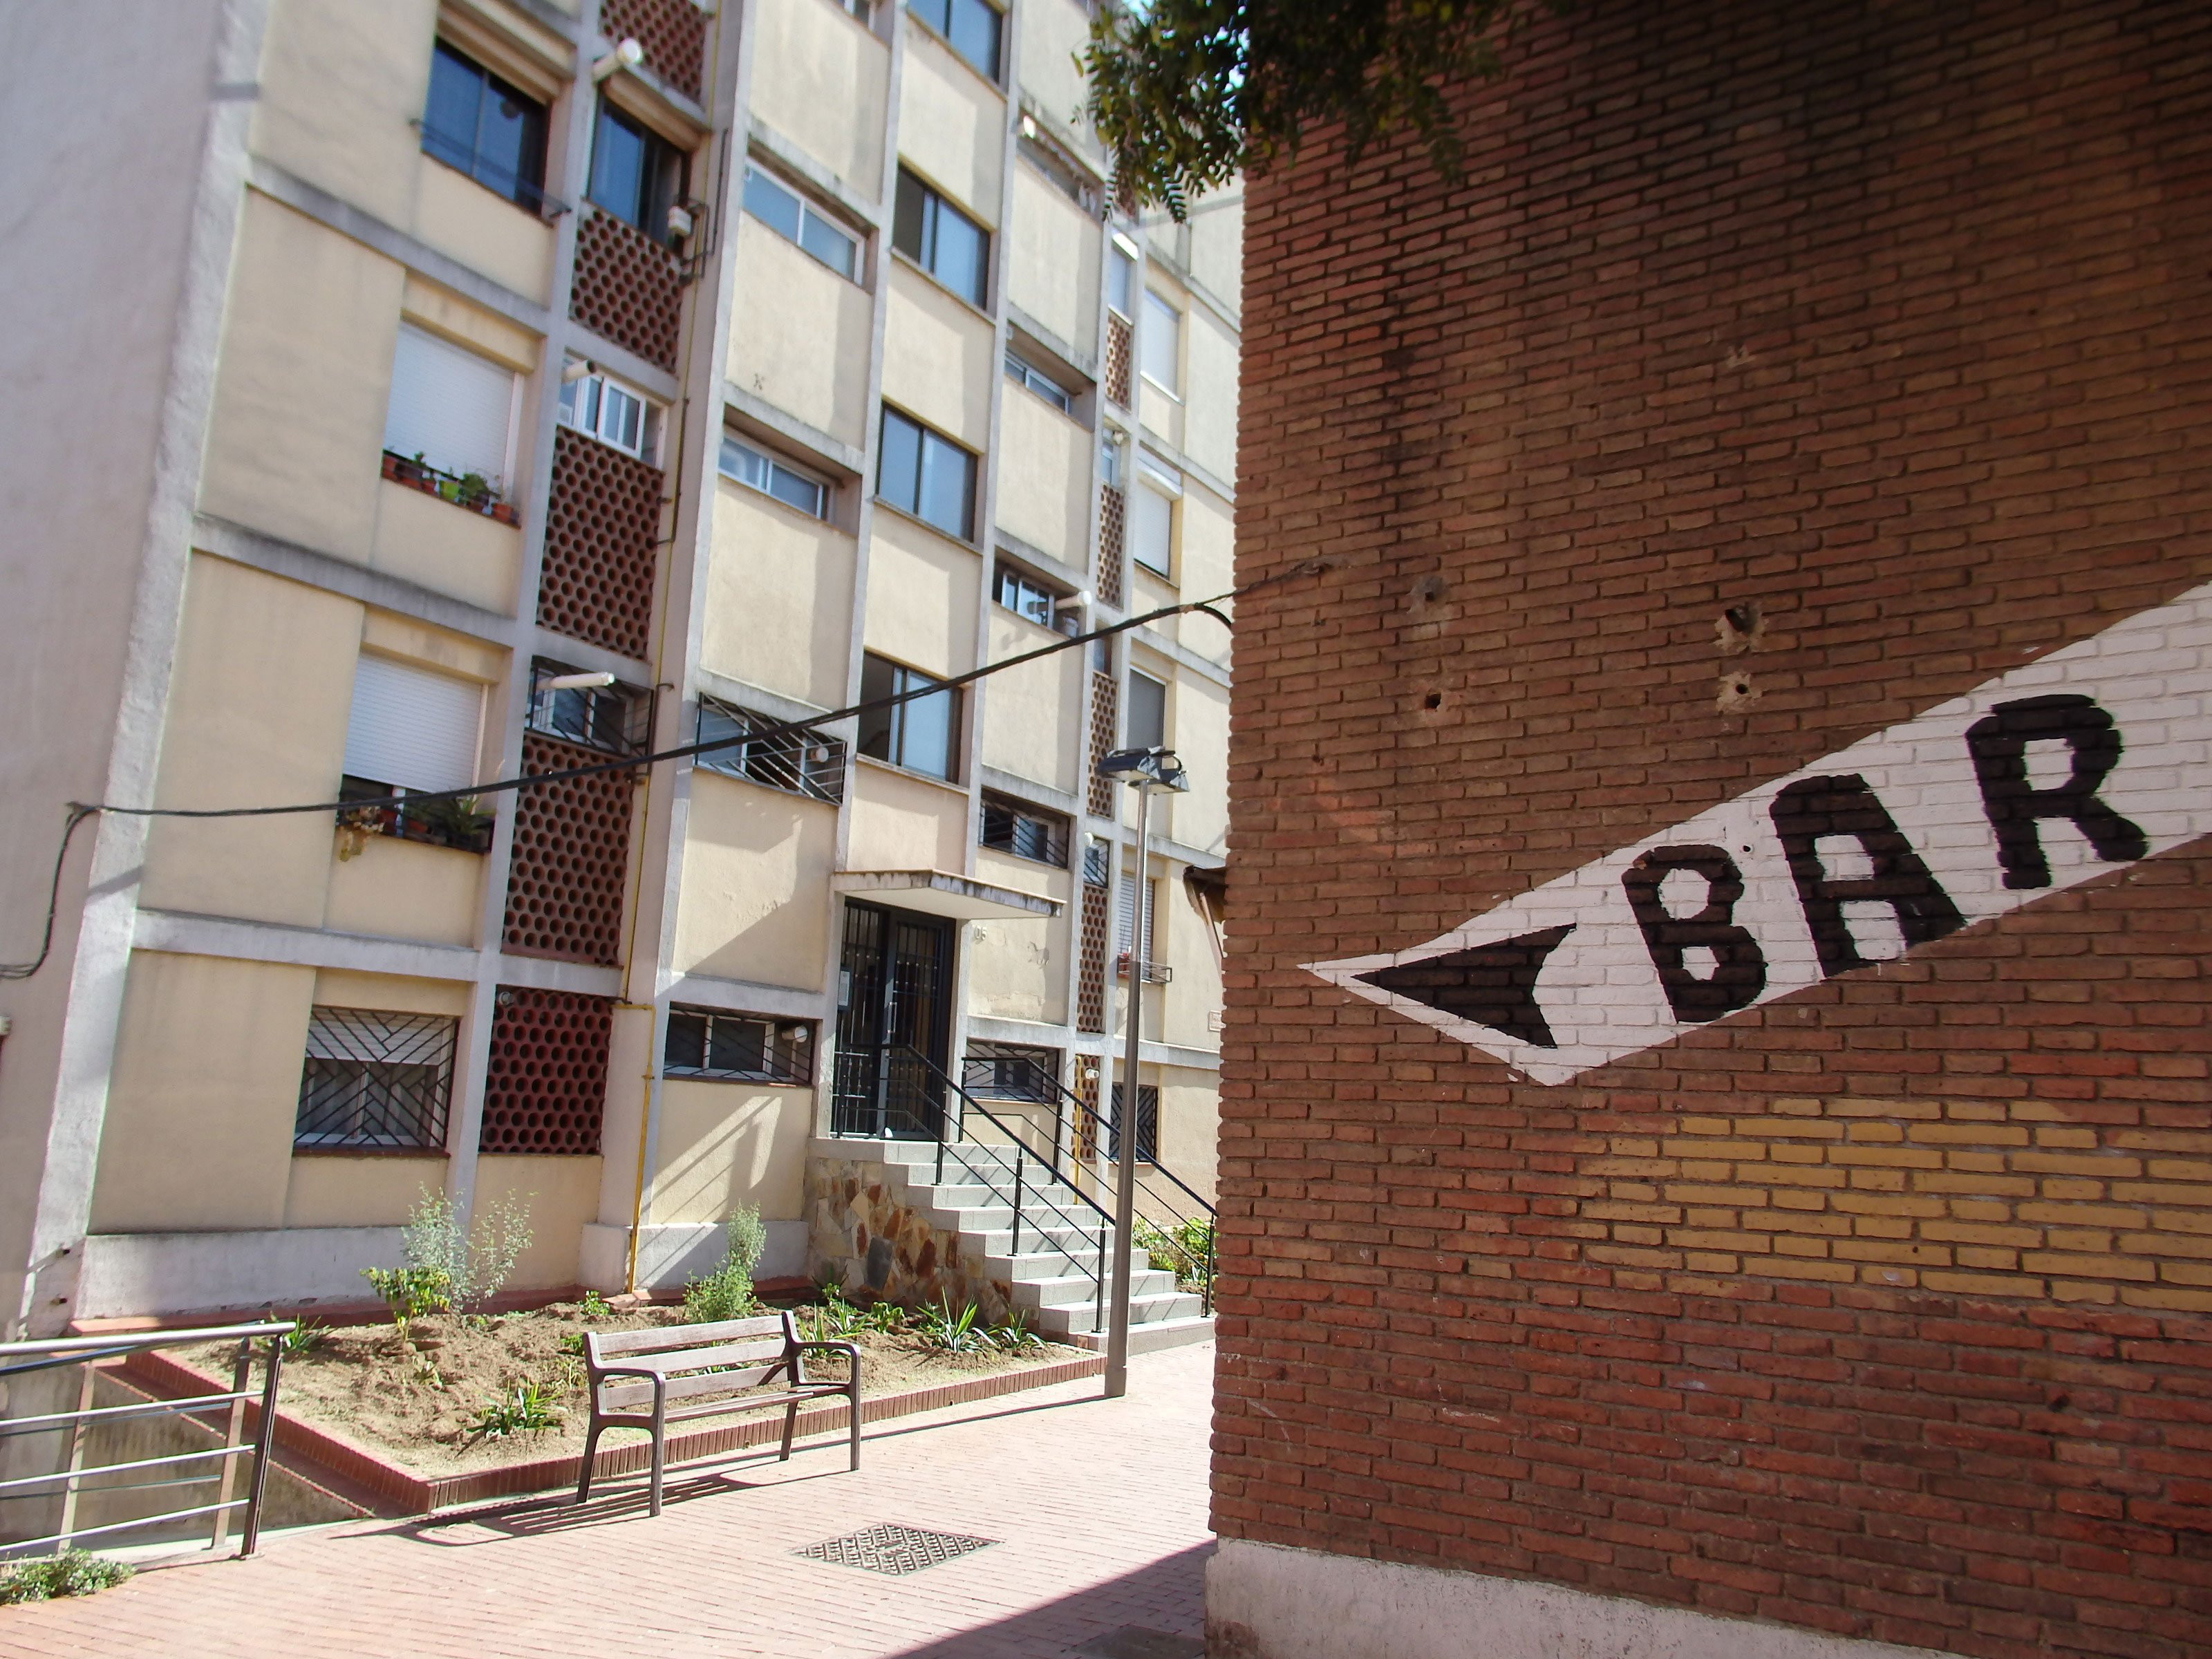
(1492, 985)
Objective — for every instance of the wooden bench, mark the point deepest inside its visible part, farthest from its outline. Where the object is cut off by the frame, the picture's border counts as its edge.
(654, 1369)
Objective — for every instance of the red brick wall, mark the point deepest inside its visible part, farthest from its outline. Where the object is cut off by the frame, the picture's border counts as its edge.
(1885, 1308)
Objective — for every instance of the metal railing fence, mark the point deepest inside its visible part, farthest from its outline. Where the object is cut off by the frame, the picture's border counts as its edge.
(76, 1428)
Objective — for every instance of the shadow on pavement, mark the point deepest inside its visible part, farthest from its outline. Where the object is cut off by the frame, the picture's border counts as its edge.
(1157, 1612)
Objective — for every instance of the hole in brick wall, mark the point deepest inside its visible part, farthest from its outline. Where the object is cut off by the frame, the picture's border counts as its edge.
(1434, 700)
(1737, 693)
(1740, 628)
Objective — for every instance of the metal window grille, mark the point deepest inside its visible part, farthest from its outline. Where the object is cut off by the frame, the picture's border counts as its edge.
(801, 760)
(740, 1047)
(1027, 832)
(1004, 1070)
(1148, 1124)
(376, 1079)
(618, 718)
(1097, 860)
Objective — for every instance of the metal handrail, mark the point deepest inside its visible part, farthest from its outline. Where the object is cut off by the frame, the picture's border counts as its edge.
(89, 1354)
(1096, 1274)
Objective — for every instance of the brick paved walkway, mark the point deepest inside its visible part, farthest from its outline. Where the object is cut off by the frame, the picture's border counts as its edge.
(1100, 1507)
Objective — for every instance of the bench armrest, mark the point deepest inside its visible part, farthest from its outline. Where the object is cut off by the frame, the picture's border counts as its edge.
(801, 1350)
(601, 1373)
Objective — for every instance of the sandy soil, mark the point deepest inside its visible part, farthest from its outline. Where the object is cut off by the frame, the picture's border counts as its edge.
(418, 1407)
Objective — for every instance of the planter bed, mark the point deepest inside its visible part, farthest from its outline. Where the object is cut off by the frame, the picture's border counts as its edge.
(358, 1406)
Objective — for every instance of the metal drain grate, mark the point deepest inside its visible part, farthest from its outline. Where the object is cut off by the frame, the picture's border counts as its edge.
(893, 1550)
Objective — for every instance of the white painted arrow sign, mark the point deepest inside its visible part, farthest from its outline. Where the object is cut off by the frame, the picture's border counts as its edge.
(2063, 769)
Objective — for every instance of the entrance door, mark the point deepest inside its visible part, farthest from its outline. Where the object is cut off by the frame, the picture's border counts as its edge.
(895, 1011)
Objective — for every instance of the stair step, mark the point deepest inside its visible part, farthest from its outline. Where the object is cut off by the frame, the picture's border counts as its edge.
(1148, 1338)
(1067, 1290)
(1072, 1317)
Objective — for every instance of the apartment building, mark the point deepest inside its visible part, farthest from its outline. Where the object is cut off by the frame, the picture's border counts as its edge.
(434, 394)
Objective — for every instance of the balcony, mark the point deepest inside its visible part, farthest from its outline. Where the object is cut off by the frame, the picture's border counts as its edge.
(628, 290)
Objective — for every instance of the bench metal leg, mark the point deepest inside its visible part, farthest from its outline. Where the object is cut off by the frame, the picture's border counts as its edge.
(790, 1425)
(852, 1410)
(660, 1448)
(591, 1446)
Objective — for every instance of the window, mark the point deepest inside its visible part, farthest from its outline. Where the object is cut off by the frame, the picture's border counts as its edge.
(738, 1047)
(373, 1079)
(637, 175)
(940, 238)
(756, 470)
(1037, 381)
(1026, 831)
(1030, 598)
(1111, 449)
(450, 409)
(411, 729)
(1062, 175)
(1004, 1070)
(1148, 1124)
(618, 718)
(1097, 859)
(478, 122)
(801, 759)
(930, 476)
(1147, 726)
(605, 409)
(923, 735)
(1162, 343)
(971, 27)
(1151, 525)
(1121, 279)
(1125, 920)
(795, 219)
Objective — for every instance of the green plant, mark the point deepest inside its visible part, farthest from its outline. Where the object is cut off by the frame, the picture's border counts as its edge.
(456, 819)
(411, 1292)
(727, 1292)
(73, 1572)
(525, 1408)
(1013, 1334)
(1185, 1249)
(303, 1339)
(476, 1259)
(834, 1317)
(593, 1306)
(941, 1328)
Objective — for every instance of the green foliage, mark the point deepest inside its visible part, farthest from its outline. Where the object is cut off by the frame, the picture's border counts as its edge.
(727, 1292)
(458, 820)
(593, 1306)
(1187, 94)
(1013, 1334)
(1185, 1249)
(411, 1292)
(303, 1339)
(941, 1328)
(73, 1572)
(525, 1408)
(476, 1260)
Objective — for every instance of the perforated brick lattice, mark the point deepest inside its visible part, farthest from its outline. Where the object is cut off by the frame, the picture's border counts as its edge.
(628, 289)
(894, 1550)
(1091, 963)
(673, 32)
(1105, 719)
(1112, 518)
(546, 1088)
(1119, 337)
(564, 888)
(601, 520)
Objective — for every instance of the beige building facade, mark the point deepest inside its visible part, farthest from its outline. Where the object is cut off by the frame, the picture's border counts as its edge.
(447, 390)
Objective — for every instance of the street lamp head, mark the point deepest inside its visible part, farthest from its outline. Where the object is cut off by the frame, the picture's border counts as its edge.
(1153, 768)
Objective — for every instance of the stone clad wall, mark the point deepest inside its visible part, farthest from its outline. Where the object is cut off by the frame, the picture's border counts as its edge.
(864, 1236)
(1827, 1245)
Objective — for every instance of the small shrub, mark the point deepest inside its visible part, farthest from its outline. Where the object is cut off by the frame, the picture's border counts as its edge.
(476, 1259)
(525, 1408)
(594, 1306)
(73, 1572)
(727, 1292)
(411, 1292)
(1014, 1335)
(939, 1327)
(303, 1339)
(1185, 1250)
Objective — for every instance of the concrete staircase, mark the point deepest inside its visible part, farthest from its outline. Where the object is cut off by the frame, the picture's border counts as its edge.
(1052, 1273)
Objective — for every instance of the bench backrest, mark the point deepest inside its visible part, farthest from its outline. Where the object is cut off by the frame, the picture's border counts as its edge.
(697, 1359)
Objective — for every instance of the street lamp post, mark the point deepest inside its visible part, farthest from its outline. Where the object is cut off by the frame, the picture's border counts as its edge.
(1143, 770)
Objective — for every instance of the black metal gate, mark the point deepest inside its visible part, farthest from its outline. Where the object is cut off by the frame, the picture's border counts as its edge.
(894, 1012)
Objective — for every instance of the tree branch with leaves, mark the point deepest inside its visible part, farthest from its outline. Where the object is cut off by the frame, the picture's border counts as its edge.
(1188, 94)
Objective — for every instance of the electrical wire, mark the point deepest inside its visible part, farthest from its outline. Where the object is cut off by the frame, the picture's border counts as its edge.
(80, 811)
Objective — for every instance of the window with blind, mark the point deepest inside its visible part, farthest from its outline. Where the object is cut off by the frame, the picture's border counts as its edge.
(411, 732)
(1125, 927)
(374, 1079)
(1145, 726)
(1151, 525)
(1160, 356)
(451, 411)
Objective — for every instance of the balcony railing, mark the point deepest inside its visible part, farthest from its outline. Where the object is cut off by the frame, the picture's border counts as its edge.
(471, 490)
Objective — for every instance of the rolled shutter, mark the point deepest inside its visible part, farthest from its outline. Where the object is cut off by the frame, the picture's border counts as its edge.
(450, 406)
(1125, 919)
(412, 728)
